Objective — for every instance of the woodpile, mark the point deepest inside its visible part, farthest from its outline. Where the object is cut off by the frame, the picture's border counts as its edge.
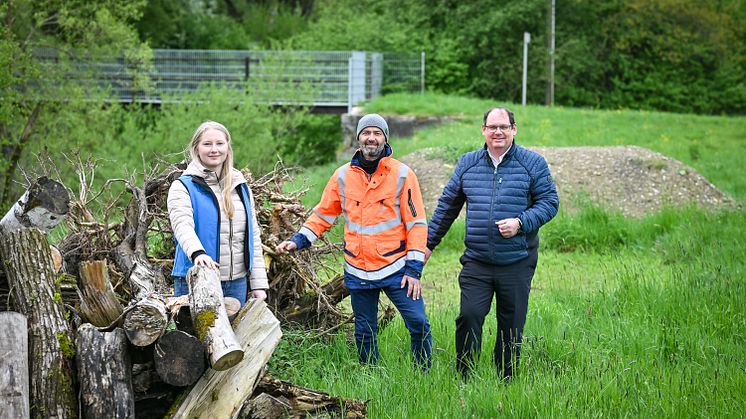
(107, 338)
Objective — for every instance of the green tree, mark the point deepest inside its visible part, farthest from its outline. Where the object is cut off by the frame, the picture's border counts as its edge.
(38, 97)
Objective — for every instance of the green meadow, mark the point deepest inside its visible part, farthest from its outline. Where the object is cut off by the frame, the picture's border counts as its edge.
(627, 317)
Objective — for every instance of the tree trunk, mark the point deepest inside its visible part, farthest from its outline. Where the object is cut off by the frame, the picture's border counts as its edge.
(282, 398)
(105, 374)
(43, 206)
(28, 266)
(179, 358)
(210, 318)
(98, 301)
(220, 394)
(14, 383)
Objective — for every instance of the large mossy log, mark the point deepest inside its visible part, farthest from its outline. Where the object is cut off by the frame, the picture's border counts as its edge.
(210, 318)
(14, 368)
(105, 374)
(221, 394)
(31, 276)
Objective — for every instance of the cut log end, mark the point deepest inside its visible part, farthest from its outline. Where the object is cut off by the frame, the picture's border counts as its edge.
(145, 323)
(228, 360)
(179, 358)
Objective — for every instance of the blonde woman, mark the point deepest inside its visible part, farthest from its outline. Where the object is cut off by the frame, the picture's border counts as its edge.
(213, 218)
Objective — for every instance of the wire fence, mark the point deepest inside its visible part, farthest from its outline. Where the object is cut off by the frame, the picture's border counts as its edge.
(311, 78)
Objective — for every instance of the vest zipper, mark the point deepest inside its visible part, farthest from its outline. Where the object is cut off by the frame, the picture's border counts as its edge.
(230, 245)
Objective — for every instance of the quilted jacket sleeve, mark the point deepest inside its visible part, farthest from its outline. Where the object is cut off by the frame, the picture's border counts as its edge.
(544, 195)
(449, 205)
(181, 215)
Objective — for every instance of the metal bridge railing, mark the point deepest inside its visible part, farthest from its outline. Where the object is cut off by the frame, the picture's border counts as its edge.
(315, 78)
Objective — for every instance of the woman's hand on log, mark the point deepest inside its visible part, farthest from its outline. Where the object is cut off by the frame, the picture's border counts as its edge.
(285, 247)
(259, 294)
(206, 261)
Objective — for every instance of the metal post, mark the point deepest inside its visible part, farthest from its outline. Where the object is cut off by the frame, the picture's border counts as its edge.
(526, 41)
(349, 85)
(422, 73)
(551, 61)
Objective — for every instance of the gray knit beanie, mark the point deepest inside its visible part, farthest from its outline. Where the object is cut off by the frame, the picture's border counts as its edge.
(373, 120)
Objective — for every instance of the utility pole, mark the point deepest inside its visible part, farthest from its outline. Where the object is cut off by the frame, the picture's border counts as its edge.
(526, 41)
(549, 96)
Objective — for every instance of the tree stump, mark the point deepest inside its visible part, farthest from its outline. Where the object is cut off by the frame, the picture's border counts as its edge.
(210, 318)
(14, 379)
(179, 358)
(98, 301)
(28, 267)
(221, 394)
(105, 374)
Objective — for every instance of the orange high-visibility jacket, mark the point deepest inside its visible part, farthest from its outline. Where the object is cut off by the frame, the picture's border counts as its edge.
(385, 227)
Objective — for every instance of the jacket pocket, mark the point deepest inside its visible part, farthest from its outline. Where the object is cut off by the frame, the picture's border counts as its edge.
(386, 249)
(351, 248)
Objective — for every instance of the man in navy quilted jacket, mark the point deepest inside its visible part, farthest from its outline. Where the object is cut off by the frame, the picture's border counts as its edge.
(509, 194)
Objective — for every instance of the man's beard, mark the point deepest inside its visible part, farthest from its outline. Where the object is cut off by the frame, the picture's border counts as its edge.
(373, 154)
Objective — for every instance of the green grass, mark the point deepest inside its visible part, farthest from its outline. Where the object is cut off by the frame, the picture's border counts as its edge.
(654, 330)
(627, 317)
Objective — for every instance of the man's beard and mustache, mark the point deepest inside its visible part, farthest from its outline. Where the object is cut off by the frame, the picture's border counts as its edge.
(373, 154)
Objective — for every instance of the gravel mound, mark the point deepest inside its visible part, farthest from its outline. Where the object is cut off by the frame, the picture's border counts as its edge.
(629, 179)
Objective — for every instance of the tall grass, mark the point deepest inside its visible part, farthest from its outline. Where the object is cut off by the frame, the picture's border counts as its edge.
(654, 330)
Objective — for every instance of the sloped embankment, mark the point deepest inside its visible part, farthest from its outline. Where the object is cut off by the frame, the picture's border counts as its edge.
(630, 179)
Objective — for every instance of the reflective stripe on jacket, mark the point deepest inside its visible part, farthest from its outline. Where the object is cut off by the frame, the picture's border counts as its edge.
(385, 228)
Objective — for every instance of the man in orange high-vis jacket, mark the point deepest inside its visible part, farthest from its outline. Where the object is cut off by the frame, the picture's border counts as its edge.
(385, 234)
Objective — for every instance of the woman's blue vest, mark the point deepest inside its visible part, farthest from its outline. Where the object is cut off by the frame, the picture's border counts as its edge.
(207, 224)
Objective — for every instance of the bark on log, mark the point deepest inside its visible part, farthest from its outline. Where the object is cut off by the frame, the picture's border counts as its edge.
(105, 374)
(221, 394)
(179, 358)
(28, 266)
(14, 379)
(295, 401)
(44, 204)
(98, 301)
(211, 319)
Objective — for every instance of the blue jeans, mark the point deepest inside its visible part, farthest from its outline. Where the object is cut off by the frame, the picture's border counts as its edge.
(235, 288)
(365, 307)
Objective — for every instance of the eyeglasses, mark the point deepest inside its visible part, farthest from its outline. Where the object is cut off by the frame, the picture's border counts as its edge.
(494, 128)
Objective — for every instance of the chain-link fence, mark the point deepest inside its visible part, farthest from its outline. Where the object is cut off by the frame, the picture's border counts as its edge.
(310, 78)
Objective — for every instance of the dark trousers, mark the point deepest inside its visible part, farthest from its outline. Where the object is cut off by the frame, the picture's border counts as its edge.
(365, 306)
(510, 284)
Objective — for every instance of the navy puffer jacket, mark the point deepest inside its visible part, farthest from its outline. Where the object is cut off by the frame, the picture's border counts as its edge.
(519, 187)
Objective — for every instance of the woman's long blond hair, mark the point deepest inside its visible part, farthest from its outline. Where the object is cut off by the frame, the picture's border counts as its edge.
(226, 171)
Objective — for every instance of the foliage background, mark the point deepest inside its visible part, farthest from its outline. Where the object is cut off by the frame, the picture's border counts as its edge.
(669, 55)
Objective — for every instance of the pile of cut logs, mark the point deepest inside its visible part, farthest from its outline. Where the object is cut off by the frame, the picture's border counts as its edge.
(90, 327)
